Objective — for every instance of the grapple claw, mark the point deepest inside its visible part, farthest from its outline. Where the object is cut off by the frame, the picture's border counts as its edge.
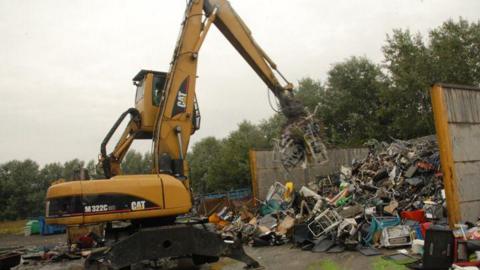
(301, 141)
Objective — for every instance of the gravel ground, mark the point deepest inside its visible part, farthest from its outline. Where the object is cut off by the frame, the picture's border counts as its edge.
(279, 257)
(287, 257)
(14, 240)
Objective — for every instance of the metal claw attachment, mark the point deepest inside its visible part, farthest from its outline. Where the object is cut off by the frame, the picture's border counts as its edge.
(301, 141)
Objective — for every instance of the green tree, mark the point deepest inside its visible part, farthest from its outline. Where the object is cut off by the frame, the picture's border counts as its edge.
(147, 162)
(50, 173)
(310, 92)
(72, 168)
(20, 188)
(455, 49)
(93, 171)
(271, 128)
(235, 166)
(451, 56)
(204, 157)
(407, 109)
(350, 104)
(224, 165)
(135, 163)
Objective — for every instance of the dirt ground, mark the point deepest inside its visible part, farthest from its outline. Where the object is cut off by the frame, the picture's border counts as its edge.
(278, 257)
(13, 240)
(287, 257)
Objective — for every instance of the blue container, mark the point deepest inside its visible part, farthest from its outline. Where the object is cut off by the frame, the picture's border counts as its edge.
(378, 223)
(418, 231)
(46, 229)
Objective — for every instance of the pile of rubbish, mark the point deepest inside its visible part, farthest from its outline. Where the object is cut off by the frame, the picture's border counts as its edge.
(387, 195)
(389, 199)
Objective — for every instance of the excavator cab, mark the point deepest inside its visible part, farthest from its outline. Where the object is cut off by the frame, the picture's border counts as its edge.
(149, 95)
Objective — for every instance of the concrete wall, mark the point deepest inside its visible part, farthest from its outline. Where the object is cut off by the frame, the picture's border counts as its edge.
(268, 170)
(457, 120)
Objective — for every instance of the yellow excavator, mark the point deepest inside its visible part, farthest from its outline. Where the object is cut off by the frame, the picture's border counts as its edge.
(166, 112)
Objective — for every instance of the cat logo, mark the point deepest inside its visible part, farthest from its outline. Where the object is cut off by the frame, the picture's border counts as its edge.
(182, 100)
(139, 205)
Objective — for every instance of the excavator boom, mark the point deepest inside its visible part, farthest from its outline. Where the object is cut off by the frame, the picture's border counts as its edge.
(166, 112)
(173, 126)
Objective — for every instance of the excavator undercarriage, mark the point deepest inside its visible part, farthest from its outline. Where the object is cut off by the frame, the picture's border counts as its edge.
(196, 239)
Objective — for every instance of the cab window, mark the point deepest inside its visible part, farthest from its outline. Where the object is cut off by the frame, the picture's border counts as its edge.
(158, 90)
(140, 91)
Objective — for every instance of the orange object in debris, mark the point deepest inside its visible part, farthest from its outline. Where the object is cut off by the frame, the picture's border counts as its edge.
(214, 218)
(222, 224)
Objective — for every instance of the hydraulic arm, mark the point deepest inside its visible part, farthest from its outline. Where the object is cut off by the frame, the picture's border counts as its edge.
(176, 117)
(173, 126)
(166, 112)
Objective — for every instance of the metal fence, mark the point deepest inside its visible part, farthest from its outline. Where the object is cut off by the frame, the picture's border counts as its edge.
(233, 195)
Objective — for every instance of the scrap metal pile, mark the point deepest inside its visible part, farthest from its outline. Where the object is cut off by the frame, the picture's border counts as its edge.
(382, 200)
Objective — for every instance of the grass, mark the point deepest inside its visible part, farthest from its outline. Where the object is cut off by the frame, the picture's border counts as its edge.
(378, 264)
(324, 265)
(12, 227)
(381, 264)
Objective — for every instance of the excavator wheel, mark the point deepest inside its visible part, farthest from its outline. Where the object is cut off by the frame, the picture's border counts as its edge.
(172, 241)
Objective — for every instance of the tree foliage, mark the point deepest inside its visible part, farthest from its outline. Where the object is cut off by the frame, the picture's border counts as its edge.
(311, 92)
(72, 168)
(407, 102)
(351, 101)
(203, 161)
(217, 165)
(413, 64)
(23, 186)
(94, 171)
(19, 183)
(234, 157)
(136, 163)
(455, 49)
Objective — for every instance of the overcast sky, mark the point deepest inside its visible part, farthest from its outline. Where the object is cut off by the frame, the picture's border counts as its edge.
(66, 66)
